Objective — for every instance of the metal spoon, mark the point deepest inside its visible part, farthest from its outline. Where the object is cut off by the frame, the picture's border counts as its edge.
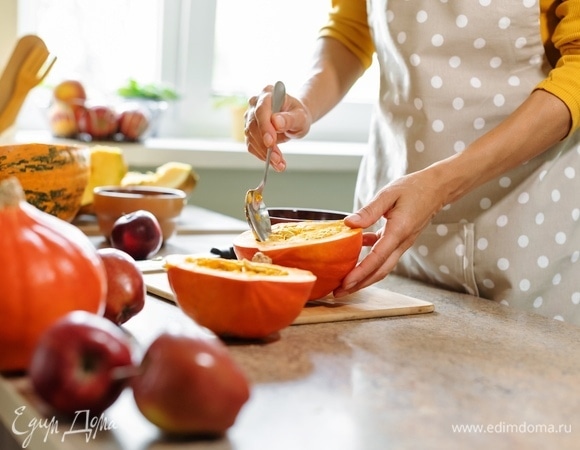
(255, 208)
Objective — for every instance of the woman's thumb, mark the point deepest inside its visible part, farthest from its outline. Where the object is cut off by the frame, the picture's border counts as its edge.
(359, 219)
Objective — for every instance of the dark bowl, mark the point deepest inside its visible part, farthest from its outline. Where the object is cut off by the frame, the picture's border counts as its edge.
(278, 215)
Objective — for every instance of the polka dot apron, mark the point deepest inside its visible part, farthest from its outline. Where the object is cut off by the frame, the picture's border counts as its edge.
(451, 71)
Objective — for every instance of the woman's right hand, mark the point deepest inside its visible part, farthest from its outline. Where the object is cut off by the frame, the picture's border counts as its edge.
(264, 129)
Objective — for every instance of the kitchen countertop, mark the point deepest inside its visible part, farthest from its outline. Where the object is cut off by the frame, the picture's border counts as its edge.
(402, 382)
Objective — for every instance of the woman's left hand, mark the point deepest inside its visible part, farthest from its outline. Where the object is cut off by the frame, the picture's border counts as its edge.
(408, 205)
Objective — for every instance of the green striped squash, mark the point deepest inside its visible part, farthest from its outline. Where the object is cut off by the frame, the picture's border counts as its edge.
(53, 176)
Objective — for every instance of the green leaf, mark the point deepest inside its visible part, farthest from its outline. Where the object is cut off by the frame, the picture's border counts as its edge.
(149, 91)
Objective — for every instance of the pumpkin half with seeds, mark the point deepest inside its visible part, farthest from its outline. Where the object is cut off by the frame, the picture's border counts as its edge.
(53, 176)
(328, 249)
(241, 299)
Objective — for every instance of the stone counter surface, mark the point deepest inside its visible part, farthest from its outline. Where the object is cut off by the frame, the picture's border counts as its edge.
(406, 382)
(391, 383)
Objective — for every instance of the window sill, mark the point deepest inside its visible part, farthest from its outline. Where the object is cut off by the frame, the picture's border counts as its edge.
(226, 154)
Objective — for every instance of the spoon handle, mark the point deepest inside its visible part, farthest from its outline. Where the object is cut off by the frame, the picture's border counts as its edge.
(278, 96)
(268, 156)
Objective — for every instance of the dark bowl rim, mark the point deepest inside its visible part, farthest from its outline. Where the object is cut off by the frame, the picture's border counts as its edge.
(274, 212)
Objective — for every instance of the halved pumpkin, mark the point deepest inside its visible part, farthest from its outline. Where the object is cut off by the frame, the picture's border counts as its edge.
(328, 249)
(235, 298)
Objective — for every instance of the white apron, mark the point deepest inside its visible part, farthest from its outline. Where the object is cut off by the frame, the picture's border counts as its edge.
(451, 71)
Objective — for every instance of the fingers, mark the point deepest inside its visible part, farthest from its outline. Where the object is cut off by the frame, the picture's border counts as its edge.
(277, 160)
(372, 212)
(260, 129)
(264, 129)
(408, 206)
(263, 118)
(378, 263)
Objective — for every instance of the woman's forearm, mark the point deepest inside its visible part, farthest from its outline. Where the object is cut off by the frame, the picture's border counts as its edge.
(334, 71)
(540, 122)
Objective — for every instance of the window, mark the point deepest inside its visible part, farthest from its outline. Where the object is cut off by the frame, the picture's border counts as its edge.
(202, 47)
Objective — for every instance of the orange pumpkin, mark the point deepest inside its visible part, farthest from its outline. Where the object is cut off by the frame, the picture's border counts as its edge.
(239, 299)
(53, 176)
(49, 267)
(328, 249)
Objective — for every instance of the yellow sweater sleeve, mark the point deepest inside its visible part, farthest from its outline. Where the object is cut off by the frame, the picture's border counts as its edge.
(561, 25)
(348, 23)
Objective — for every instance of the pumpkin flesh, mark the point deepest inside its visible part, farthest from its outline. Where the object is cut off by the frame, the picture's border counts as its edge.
(239, 299)
(328, 249)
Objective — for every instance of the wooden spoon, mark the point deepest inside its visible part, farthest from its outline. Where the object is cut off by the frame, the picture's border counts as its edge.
(8, 78)
(31, 73)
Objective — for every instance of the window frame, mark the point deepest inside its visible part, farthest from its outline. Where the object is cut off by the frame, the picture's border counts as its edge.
(187, 63)
(186, 56)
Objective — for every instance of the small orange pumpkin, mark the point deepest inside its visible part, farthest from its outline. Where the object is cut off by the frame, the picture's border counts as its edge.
(328, 249)
(240, 299)
(53, 176)
(49, 267)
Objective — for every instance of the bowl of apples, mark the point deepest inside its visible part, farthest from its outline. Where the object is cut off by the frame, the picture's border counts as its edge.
(72, 114)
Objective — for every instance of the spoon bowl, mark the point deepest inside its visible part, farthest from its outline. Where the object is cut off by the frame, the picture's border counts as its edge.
(254, 207)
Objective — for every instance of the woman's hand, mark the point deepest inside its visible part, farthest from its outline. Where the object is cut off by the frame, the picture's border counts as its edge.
(408, 205)
(264, 129)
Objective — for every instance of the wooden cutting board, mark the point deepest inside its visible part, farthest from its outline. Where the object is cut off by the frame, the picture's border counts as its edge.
(371, 302)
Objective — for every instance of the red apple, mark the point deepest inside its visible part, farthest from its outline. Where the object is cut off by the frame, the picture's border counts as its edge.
(138, 234)
(133, 124)
(78, 361)
(100, 122)
(189, 385)
(62, 120)
(126, 290)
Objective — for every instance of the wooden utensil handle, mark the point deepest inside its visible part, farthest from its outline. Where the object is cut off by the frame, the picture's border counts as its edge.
(8, 116)
(22, 48)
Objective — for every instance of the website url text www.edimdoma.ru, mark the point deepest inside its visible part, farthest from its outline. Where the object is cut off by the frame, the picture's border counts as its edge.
(504, 427)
